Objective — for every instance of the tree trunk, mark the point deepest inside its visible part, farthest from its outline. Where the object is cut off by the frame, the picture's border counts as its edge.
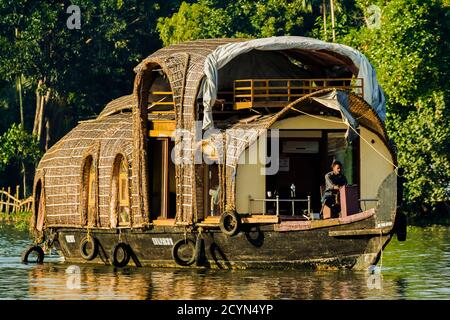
(41, 101)
(37, 116)
(332, 20)
(19, 89)
(20, 94)
(324, 12)
(24, 181)
(47, 133)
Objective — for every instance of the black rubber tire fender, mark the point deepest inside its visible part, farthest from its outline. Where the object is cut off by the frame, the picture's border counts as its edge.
(176, 247)
(83, 248)
(230, 223)
(38, 250)
(116, 249)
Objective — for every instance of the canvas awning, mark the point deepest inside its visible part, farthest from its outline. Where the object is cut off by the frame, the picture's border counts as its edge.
(223, 54)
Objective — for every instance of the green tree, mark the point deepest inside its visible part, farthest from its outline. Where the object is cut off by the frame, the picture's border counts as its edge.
(241, 18)
(67, 75)
(19, 149)
(423, 141)
(194, 21)
(411, 53)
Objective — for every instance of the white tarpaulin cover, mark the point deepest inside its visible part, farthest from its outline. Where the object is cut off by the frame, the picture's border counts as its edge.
(225, 53)
(338, 100)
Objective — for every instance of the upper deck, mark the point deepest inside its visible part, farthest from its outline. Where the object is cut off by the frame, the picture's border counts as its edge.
(265, 93)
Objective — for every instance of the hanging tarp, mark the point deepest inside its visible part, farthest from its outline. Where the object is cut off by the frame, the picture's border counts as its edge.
(338, 100)
(223, 54)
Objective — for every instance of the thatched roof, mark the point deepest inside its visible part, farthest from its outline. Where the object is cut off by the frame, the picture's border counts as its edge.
(117, 105)
(60, 169)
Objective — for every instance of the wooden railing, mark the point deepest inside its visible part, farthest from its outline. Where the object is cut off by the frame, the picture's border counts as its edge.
(260, 93)
(12, 204)
(160, 98)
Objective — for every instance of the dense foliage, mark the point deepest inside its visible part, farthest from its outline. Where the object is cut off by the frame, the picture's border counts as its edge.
(56, 76)
(411, 53)
(240, 18)
(18, 145)
(73, 73)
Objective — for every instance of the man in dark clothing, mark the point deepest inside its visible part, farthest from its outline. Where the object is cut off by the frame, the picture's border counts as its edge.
(334, 180)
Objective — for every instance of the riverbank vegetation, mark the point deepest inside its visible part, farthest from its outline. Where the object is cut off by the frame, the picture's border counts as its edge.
(20, 220)
(52, 76)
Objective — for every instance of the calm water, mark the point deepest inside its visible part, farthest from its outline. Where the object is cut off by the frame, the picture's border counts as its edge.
(416, 269)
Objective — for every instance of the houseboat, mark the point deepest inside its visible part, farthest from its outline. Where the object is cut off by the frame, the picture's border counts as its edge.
(217, 160)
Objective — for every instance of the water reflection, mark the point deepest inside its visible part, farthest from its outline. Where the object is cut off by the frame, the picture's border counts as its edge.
(416, 269)
(51, 281)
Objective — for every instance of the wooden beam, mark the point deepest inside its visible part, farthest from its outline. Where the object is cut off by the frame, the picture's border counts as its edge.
(249, 219)
(164, 222)
(359, 232)
(161, 133)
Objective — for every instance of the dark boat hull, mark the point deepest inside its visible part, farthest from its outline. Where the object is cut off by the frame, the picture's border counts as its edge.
(259, 246)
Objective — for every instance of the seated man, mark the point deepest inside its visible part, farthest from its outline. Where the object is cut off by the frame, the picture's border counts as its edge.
(334, 180)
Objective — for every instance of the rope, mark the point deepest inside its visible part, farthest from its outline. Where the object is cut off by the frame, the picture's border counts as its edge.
(369, 144)
(200, 233)
(320, 118)
(379, 153)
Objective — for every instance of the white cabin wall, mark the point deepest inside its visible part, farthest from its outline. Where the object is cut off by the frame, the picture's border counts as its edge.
(250, 179)
(371, 178)
(306, 122)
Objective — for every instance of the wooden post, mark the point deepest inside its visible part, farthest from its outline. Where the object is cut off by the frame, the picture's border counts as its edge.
(289, 90)
(165, 178)
(251, 92)
(278, 205)
(309, 204)
(8, 200)
(234, 96)
(16, 207)
(293, 207)
(1, 200)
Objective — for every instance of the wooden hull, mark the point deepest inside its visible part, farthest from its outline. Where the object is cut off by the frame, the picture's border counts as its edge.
(256, 246)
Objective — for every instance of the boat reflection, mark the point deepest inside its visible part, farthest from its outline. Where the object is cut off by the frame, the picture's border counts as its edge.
(62, 281)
